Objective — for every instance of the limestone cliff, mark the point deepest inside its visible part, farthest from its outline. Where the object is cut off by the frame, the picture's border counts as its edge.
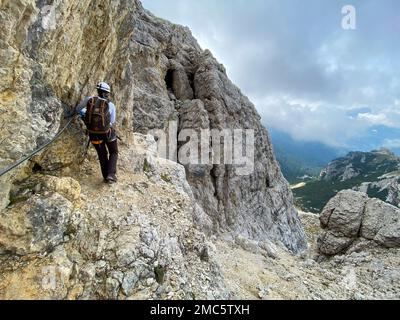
(54, 53)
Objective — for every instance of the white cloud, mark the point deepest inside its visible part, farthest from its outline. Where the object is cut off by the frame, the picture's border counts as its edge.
(310, 120)
(375, 119)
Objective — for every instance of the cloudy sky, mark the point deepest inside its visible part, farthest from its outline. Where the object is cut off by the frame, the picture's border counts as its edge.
(306, 75)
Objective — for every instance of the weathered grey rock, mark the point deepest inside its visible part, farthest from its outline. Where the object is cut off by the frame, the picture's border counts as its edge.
(247, 244)
(37, 226)
(387, 184)
(330, 243)
(355, 164)
(270, 249)
(111, 290)
(343, 213)
(381, 223)
(350, 173)
(177, 79)
(136, 243)
(350, 216)
(129, 282)
(235, 201)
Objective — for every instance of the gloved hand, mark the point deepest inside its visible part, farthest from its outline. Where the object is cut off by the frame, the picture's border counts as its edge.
(82, 114)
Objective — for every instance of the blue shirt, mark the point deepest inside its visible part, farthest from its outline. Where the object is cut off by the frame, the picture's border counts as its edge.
(81, 109)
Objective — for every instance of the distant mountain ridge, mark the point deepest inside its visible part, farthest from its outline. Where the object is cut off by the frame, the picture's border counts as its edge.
(376, 173)
(355, 164)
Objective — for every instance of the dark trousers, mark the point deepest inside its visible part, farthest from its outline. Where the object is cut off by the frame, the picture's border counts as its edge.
(108, 154)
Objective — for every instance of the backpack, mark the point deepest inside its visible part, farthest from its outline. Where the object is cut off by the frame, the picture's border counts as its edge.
(98, 116)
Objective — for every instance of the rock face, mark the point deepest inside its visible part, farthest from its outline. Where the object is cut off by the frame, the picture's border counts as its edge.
(65, 235)
(53, 55)
(352, 217)
(35, 227)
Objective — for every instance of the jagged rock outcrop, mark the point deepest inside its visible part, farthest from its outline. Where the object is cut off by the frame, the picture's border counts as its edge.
(387, 187)
(353, 217)
(54, 53)
(65, 235)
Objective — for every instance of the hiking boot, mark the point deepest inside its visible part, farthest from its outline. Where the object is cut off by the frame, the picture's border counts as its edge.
(111, 178)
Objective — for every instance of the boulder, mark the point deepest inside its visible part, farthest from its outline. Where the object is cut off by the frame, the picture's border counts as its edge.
(344, 213)
(35, 226)
(351, 216)
(381, 223)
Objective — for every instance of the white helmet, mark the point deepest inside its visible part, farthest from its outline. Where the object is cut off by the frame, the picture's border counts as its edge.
(104, 87)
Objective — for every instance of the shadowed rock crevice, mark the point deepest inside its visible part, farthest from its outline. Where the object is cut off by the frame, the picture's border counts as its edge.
(178, 82)
(169, 80)
(37, 168)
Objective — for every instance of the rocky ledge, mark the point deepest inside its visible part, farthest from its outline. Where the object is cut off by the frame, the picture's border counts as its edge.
(77, 238)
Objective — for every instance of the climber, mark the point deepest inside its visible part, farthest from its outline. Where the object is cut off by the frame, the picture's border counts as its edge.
(99, 115)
